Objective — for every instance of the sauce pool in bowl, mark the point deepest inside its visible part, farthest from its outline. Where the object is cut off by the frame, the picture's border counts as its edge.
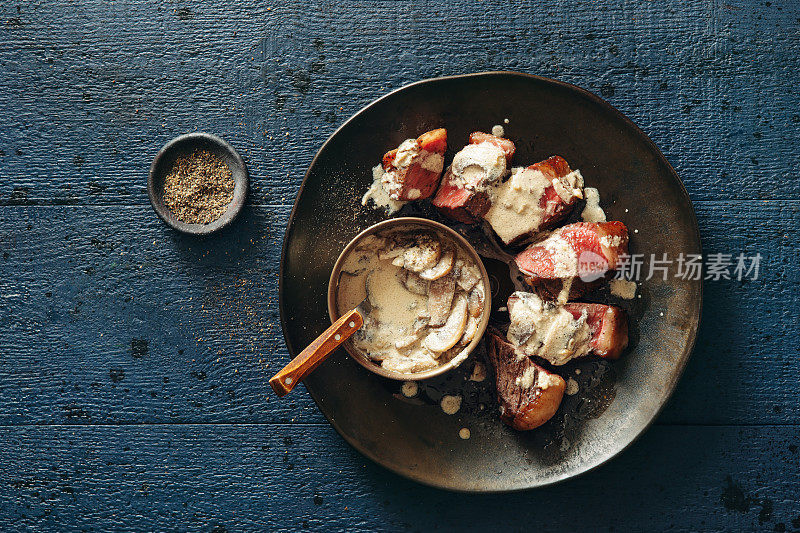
(426, 294)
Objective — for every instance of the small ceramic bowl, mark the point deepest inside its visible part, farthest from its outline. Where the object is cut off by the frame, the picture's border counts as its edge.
(184, 145)
(409, 223)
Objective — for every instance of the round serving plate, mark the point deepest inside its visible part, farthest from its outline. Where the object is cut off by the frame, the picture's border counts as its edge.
(615, 402)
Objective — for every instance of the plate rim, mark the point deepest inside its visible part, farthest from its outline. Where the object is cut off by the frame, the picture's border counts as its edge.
(579, 91)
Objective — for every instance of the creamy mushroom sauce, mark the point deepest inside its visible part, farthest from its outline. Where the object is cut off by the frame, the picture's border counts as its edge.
(379, 195)
(592, 212)
(477, 166)
(386, 187)
(426, 297)
(516, 208)
(546, 329)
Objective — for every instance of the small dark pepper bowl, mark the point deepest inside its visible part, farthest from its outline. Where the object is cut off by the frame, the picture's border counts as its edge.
(184, 145)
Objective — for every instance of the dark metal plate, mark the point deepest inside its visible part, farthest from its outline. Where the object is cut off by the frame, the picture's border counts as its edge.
(616, 402)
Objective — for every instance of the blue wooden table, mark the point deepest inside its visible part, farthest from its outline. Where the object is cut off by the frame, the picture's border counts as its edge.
(134, 361)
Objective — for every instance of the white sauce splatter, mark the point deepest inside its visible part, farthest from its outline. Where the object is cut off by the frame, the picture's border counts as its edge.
(592, 212)
(532, 377)
(378, 194)
(498, 130)
(451, 404)
(623, 288)
(572, 387)
(406, 152)
(545, 380)
(410, 389)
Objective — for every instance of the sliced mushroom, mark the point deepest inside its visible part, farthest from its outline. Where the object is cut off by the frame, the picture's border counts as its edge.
(371, 343)
(447, 356)
(520, 331)
(390, 252)
(523, 324)
(423, 254)
(416, 361)
(469, 331)
(370, 243)
(476, 301)
(378, 356)
(440, 298)
(442, 339)
(468, 277)
(413, 283)
(405, 342)
(420, 324)
(442, 268)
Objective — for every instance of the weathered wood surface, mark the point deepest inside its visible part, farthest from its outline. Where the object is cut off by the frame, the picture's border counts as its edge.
(96, 88)
(133, 383)
(112, 318)
(281, 478)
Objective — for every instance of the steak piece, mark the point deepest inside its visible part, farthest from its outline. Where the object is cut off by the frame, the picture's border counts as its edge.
(412, 170)
(534, 199)
(573, 259)
(608, 326)
(464, 192)
(460, 203)
(506, 145)
(528, 394)
(561, 333)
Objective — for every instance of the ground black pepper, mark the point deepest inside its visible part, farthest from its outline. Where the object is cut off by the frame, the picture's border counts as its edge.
(198, 188)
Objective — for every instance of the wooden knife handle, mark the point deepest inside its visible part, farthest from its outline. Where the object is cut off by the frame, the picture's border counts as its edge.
(316, 352)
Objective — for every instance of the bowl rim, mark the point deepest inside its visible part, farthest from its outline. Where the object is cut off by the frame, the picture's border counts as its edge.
(238, 171)
(410, 222)
(591, 97)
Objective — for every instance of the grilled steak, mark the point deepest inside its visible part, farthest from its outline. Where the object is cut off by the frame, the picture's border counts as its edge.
(608, 327)
(528, 394)
(506, 145)
(573, 258)
(534, 199)
(458, 202)
(560, 333)
(464, 192)
(413, 169)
